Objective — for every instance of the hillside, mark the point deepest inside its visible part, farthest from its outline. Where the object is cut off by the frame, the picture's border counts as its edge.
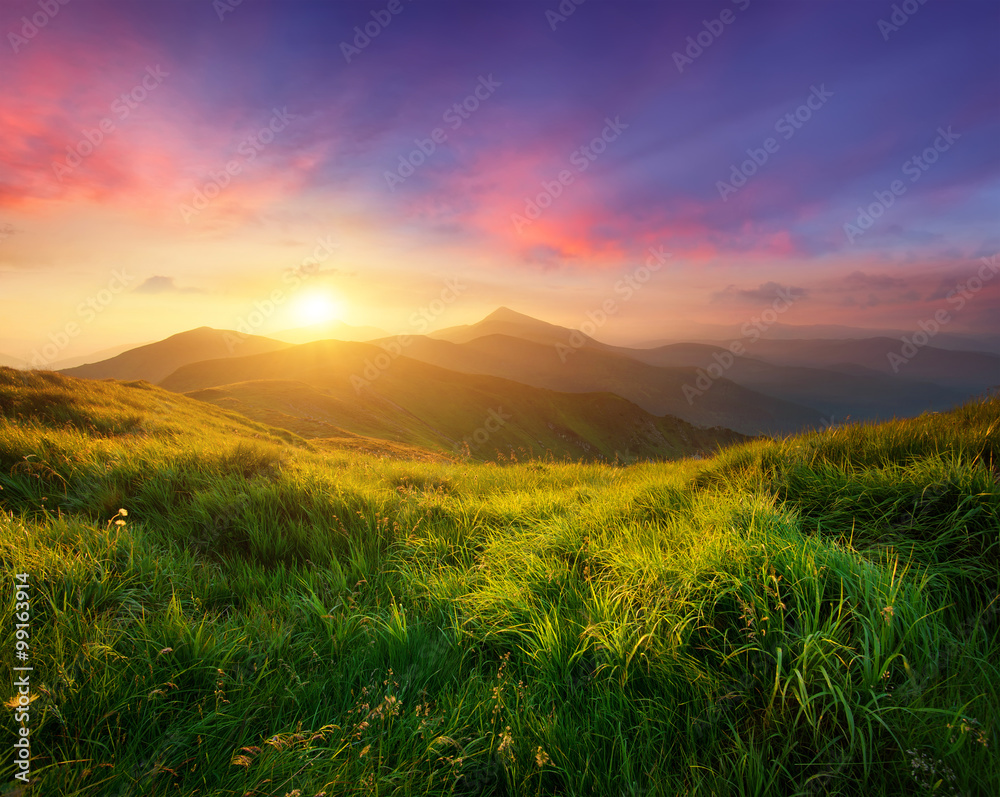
(657, 390)
(93, 357)
(775, 387)
(217, 607)
(156, 361)
(836, 391)
(504, 321)
(328, 388)
(835, 379)
(968, 371)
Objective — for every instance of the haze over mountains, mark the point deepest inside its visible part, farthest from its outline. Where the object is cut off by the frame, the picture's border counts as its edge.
(515, 383)
(331, 330)
(95, 357)
(333, 389)
(716, 333)
(831, 386)
(156, 361)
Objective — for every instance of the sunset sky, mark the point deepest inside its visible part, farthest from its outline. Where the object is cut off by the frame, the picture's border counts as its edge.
(168, 165)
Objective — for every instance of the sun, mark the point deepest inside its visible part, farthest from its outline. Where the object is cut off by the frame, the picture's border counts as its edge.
(317, 308)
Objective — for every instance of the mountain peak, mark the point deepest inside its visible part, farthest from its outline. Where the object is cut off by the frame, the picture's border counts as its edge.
(188, 335)
(507, 315)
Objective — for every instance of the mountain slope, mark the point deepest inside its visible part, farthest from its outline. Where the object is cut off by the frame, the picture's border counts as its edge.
(968, 371)
(328, 388)
(661, 391)
(850, 381)
(504, 321)
(94, 357)
(158, 360)
(858, 392)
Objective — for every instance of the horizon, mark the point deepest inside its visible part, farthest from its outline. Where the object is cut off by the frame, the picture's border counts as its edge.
(756, 328)
(670, 170)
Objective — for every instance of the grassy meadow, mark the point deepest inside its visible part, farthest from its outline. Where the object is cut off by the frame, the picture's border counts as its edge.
(219, 608)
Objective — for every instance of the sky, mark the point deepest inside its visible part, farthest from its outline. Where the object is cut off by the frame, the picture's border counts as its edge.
(642, 168)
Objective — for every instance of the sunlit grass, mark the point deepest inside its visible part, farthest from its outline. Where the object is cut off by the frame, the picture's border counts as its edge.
(809, 616)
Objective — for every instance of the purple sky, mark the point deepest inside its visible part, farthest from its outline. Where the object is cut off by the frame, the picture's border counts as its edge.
(590, 143)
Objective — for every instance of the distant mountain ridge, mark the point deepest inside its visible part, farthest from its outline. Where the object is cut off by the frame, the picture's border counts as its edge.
(11, 362)
(773, 387)
(807, 381)
(657, 390)
(967, 371)
(333, 388)
(504, 321)
(94, 357)
(156, 361)
(722, 334)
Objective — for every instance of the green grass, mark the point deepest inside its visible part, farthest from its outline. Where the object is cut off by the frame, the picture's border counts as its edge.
(812, 616)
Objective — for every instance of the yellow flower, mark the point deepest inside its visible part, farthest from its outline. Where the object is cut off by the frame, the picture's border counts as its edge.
(15, 701)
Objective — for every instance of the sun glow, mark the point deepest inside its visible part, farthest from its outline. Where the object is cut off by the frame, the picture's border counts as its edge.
(317, 308)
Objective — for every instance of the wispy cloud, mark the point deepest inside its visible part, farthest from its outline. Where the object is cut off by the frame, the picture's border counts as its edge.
(765, 292)
(858, 279)
(164, 285)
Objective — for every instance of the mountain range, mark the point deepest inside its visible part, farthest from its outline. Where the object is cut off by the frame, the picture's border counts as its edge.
(156, 361)
(511, 383)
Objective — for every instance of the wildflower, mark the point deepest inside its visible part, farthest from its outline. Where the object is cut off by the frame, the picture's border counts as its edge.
(15, 701)
(505, 740)
(541, 757)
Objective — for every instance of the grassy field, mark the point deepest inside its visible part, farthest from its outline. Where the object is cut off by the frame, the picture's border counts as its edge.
(221, 608)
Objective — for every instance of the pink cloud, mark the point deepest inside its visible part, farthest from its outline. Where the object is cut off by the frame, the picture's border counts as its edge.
(592, 222)
(86, 123)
